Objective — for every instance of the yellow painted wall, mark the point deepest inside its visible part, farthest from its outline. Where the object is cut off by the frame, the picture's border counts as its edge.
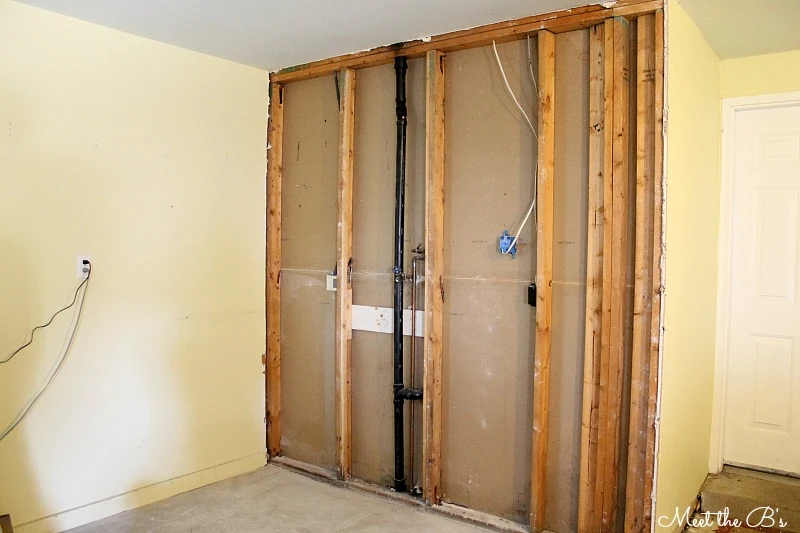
(765, 74)
(693, 187)
(151, 159)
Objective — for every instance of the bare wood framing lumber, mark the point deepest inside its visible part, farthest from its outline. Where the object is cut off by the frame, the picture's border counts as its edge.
(655, 322)
(619, 266)
(344, 286)
(434, 276)
(561, 21)
(544, 275)
(594, 279)
(595, 522)
(643, 264)
(273, 281)
(617, 41)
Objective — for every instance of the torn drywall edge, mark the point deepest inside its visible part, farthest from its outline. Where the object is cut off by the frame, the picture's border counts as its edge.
(664, 127)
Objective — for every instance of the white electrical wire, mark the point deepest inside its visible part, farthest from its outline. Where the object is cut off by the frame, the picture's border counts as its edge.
(513, 97)
(53, 372)
(530, 67)
(532, 208)
(527, 215)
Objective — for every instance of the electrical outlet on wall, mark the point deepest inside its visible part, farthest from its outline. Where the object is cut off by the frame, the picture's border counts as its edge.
(330, 283)
(83, 270)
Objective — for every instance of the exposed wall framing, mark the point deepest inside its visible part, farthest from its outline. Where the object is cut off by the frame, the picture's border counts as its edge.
(434, 272)
(273, 277)
(544, 275)
(606, 293)
(344, 261)
(643, 265)
(598, 265)
(559, 22)
(609, 458)
(607, 500)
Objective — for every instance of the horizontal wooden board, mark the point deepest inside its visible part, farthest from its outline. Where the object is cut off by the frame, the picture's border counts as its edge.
(558, 22)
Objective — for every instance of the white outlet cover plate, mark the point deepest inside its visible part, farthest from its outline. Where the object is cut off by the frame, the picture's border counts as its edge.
(330, 283)
(380, 320)
(79, 266)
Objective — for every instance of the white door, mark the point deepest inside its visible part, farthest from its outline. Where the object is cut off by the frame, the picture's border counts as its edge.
(762, 412)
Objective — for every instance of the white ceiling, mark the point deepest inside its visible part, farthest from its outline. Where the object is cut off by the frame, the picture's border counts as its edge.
(272, 34)
(740, 28)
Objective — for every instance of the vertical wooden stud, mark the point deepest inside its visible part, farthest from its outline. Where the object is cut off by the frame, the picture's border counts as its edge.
(594, 279)
(344, 263)
(544, 275)
(655, 321)
(619, 265)
(273, 281)
(434, 276)
(603, 445)
(643, 264)
(613, 341)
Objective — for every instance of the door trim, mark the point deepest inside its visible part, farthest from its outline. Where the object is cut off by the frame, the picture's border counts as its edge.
(730, 107)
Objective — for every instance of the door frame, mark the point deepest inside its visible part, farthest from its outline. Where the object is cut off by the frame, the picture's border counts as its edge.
(730, 107)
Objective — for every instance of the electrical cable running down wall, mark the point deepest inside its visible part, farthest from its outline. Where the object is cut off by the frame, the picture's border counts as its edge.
(402, 393)
(80, 290)
(508, 242)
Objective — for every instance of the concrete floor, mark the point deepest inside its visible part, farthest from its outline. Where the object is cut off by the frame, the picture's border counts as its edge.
(275, 499)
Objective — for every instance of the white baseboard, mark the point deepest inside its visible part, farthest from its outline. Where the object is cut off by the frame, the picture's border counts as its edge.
(141, 496)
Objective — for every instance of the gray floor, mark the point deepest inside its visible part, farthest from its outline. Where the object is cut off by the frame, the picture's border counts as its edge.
(742, 491)
(275, 499)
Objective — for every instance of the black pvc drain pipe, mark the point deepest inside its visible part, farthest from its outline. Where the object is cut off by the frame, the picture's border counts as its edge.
(400, 67)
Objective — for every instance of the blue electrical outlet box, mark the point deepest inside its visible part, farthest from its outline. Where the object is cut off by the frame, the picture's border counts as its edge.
(505, 244)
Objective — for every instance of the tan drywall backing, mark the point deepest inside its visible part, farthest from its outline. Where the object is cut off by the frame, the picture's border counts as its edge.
(373, 257)
(488, 367)
(488, 326)
(308, 253)
(489, 330)
(569, 277)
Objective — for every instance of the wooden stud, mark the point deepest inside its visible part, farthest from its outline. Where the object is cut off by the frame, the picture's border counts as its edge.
(595, 524)
(619, 265)
(608, 378)
(613, 349)
(544, 275)
(643, 263)
(594, 280)
(558, 22)
(655, 321)
(344, 265)
(434, 277)
(273, 281)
